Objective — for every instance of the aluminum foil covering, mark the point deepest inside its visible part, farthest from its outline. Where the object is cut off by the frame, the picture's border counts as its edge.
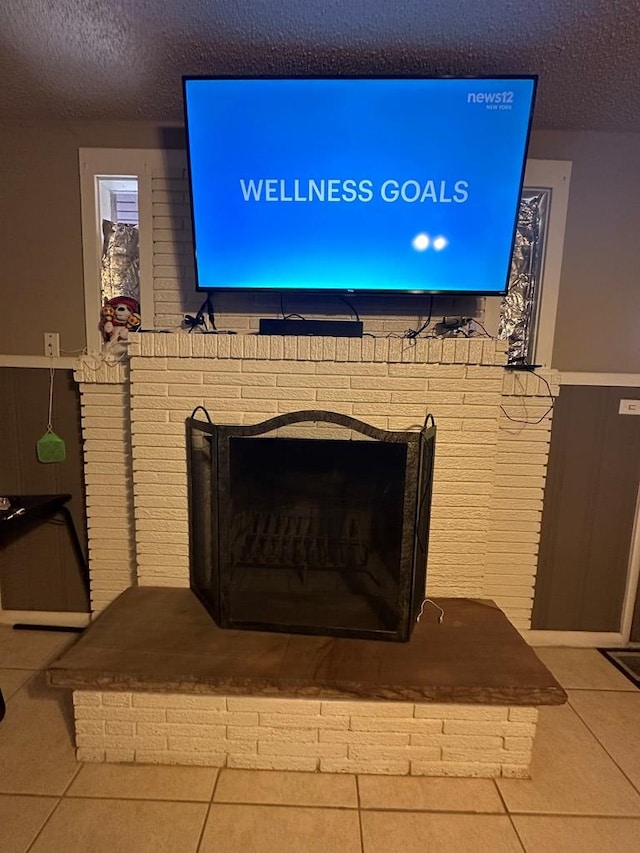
(120, 263)
(519, 306)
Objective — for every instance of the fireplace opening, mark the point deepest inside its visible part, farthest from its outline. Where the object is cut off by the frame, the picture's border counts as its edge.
(310, 535)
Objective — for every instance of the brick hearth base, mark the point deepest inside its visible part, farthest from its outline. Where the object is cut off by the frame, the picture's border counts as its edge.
(304, 734)
(155, 681)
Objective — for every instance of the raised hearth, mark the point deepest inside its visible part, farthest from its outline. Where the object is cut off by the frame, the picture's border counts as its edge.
(162, 639)
(155, 681)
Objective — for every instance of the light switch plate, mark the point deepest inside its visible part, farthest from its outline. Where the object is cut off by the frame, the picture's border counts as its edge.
(52, 344)
(629, 407)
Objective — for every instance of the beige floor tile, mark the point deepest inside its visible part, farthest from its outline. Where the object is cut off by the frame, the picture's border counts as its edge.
(571, 773)
(31, 649)
(267, 829)
(285, 788)
(427, 794)
(403, 832)
(614, 718)
(36, 741)
(144, 782)
(122, 826)
(11, 680)
(20, 820)
(583, 669)
(578, 834)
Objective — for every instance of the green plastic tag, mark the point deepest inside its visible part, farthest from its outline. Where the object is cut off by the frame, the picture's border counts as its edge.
(51, 448)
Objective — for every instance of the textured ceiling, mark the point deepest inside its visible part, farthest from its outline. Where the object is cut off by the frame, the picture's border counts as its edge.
(123, 59)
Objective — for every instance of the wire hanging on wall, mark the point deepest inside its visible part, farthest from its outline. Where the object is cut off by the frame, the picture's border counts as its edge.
(51, 448)
(199, 320)
(542, 417)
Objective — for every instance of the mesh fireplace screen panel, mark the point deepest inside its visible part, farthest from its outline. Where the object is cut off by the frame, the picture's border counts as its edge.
(310, 535)
(202, 527)
(313, 533)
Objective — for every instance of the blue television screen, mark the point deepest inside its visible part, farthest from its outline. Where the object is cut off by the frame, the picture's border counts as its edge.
(378, 185)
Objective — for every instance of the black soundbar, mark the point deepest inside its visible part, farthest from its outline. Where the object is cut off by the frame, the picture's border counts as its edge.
(328, 328)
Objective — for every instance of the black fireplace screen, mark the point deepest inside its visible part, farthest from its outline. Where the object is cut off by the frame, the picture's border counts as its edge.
(310, 535)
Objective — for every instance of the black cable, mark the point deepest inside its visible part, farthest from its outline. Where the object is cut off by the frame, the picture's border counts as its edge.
(478, 323)
(353, 310)
(210, 313)
(193, 321)
(288, 316)
(542, 417)
(415, 333)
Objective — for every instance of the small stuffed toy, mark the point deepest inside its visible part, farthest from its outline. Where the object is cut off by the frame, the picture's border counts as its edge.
(118, 316)
(106, 322)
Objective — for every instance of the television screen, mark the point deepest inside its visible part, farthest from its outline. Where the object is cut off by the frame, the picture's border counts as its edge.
(378, 185)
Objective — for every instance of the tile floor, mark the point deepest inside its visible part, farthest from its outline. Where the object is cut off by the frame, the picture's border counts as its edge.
(584, 795)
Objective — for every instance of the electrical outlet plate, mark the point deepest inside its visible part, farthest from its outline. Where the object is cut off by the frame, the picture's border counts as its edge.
(52, 344)
(629, 407)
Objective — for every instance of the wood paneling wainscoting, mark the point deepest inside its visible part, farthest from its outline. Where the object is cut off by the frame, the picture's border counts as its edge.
(589, 511)
(38, 570)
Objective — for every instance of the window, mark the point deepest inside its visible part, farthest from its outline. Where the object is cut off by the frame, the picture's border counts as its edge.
(551, 178)
(117, 234)
(119, 199)
(120, 256)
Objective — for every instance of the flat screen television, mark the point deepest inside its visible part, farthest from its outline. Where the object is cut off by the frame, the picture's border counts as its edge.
(383, 185)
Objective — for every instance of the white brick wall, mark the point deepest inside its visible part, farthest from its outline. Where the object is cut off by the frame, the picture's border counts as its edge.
(104, 397)
(517, 494)
(300, 734)
(387, 393)
(489, 473)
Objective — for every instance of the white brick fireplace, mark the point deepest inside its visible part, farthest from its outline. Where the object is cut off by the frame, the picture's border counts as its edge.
(489, 473)
(487, 502)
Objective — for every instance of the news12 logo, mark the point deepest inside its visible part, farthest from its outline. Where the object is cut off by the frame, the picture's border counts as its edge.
(492, 100)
